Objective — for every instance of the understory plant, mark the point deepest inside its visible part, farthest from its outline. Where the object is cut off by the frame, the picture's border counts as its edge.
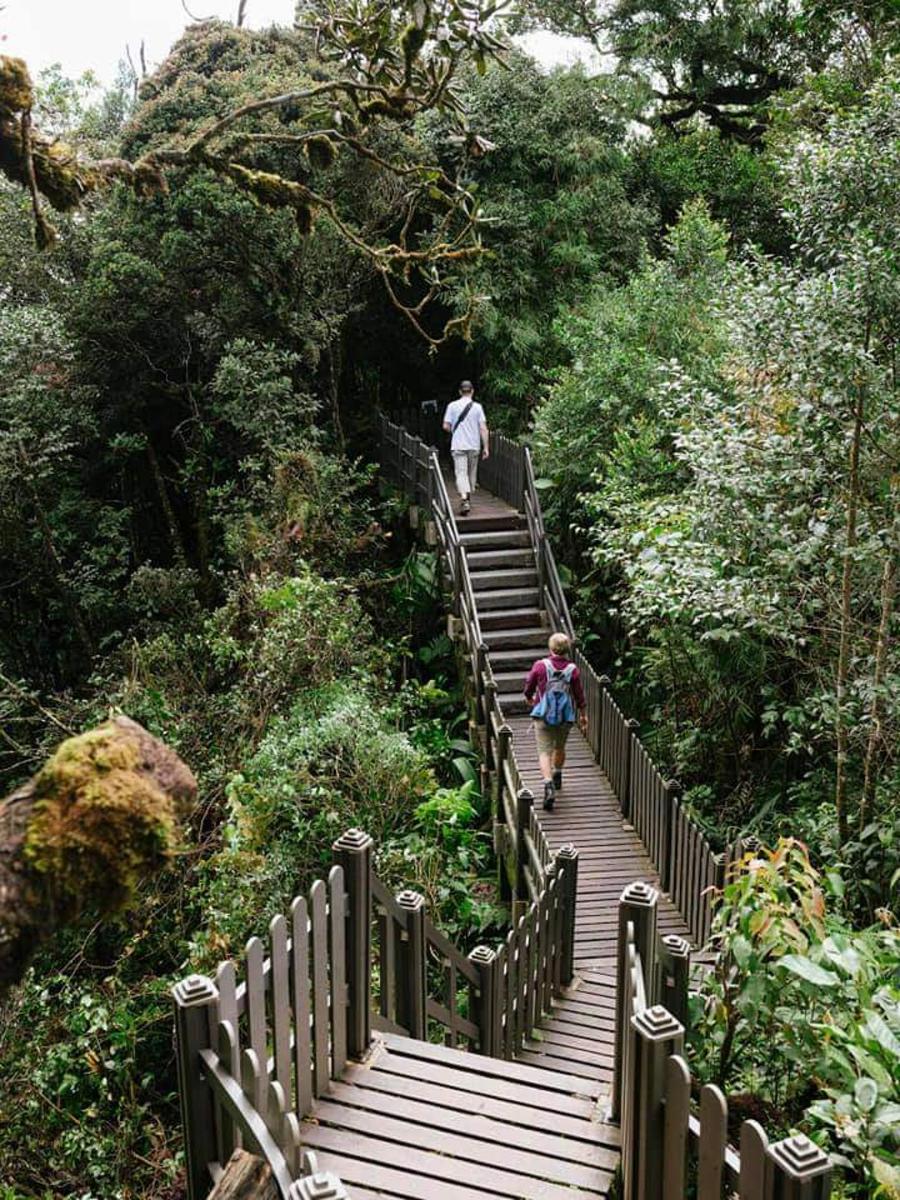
(799, 1020)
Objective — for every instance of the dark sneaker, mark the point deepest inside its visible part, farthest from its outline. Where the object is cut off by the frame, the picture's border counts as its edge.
(549, 795)
(465, 508)
(557, 780)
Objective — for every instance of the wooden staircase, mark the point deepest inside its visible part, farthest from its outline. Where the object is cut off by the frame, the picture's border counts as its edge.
(504, 578)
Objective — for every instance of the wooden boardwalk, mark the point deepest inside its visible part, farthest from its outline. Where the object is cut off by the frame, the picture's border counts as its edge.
(424, 1122)
(579, 1037)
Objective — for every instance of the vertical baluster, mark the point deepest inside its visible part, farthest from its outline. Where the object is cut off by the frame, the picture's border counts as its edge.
(226, 985)
(754, 1142)
(300, 1004)
(281, 1015)
(677, 1115)
(337, 947)
(256, 1004)
(319, 953)
(713, 1136)
(512, 1047)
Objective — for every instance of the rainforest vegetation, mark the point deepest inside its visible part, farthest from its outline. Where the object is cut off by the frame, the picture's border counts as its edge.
(675, 274)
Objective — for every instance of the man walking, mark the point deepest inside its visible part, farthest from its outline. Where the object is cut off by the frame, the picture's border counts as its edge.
(553, 687)
(464, 420)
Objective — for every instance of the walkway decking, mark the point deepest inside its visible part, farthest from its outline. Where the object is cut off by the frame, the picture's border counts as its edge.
(418, 1121)
(579, 1038)
(424, 1122)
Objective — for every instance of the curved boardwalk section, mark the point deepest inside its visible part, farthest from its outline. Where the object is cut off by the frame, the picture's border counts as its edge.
(579, 1036)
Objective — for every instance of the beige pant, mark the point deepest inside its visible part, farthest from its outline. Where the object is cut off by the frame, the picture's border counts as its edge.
(551, 737)
(465, 469)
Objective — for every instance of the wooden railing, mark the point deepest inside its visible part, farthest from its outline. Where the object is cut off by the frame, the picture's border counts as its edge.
(688, 869)
(665, 1139)
(254, 1056)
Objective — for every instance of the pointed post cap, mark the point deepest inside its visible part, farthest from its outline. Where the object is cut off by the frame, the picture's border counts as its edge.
(657, 1024)
(799, 1157)
(482, 954)
(410, 900)
(321, 1186)
(678, 947)
(640, 895)
(567, 851)
(353, 840)
(194, 990)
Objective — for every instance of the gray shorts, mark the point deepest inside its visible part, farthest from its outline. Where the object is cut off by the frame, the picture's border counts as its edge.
(550, 737)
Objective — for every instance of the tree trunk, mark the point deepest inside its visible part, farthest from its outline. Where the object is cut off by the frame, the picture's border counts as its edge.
(876, 713)
(101, 813)
(58, 571)
(166, 504)
(843, 664)
(245, 1177)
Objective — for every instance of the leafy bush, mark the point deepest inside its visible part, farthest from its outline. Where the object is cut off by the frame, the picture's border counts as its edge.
(804, 1013)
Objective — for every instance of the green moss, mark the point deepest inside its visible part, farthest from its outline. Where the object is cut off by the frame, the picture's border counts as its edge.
(320, 151)
(16, 93)
(99, 821)
(274, 191)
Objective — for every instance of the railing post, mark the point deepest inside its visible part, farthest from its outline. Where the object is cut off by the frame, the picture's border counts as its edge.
(195, 1001)
(567, 873)
(602, 730)
(481, 653)
(631, 727)
(637, 906)
(491, 747)
(524, 805)
(353, 852)
(485, 961)
(800, 1170)
(657, 1036)
(666, 867)
(676, 972)
(501, 838)
(412, 983)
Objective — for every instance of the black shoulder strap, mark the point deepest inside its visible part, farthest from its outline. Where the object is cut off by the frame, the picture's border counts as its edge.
(462, 416)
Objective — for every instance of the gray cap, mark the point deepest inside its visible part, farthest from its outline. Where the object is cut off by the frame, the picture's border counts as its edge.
(466, 386)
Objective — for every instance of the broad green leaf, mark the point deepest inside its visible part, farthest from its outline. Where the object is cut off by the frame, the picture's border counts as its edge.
(806, 969)
(876, 1027)
(866, 1094)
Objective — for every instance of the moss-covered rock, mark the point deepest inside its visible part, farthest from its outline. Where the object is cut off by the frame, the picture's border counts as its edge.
(16, 92)
(101, 819)
(102, 813)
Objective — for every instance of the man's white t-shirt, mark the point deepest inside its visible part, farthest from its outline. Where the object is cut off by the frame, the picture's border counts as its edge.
(467, 434)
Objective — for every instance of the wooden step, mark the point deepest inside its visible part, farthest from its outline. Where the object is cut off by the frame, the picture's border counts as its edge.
(508, 618)
(499, 539)
(513, 703)
(480, 560)
(473, 524)
(506, 598)
(512, 660)
(535, 635)
(509, 681)
(518, 577)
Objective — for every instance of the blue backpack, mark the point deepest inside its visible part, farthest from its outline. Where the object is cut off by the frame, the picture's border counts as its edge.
(555, 707)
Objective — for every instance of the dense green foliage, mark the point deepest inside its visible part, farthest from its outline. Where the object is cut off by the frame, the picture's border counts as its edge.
(696, 325)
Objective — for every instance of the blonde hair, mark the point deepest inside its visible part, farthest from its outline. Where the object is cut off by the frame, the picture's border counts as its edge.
(559, 644)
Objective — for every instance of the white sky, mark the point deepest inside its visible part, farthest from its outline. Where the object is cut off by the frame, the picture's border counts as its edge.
(92, 35)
